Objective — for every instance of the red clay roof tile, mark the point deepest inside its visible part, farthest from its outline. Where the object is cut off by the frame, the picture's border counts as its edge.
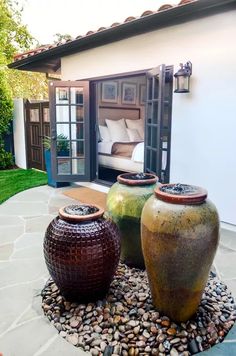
(130, 18)
(101, 29)
(183, 2)
(165, 7)
(147, 12)
(90, 33)
(115, 24)
(35, 51)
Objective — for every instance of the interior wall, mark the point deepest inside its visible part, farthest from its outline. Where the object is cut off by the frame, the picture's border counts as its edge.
(128, 111)
(203, 121)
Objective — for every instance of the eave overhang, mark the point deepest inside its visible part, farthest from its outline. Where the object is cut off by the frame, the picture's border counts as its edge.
(49, 61)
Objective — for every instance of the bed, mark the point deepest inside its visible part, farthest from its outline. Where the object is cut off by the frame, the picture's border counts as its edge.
(123, 155)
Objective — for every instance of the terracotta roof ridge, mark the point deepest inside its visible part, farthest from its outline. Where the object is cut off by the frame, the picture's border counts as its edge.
(164, 7)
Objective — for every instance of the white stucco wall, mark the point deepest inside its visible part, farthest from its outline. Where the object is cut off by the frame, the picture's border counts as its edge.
(19, 133)
(204, 121)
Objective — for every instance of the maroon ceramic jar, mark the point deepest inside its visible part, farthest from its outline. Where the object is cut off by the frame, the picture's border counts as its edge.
(82, 250)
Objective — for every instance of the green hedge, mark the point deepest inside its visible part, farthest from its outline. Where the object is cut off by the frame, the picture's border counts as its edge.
(6, 115)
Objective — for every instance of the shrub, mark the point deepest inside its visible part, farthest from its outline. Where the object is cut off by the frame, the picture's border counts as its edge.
(63, 143)
(6, 159)
(6, 115)
(6, 106)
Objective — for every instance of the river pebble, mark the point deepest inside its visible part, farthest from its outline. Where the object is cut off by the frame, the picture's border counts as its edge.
(127, 324)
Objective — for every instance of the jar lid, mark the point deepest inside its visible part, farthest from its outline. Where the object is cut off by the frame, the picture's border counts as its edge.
(135, 179)
(80, 212)
(181, 193)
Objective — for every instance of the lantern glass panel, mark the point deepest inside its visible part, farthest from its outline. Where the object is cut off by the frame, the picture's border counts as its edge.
(182, 84)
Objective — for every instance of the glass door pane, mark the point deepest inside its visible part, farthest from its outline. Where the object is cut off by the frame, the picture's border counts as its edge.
(34, 115)
(70, 130)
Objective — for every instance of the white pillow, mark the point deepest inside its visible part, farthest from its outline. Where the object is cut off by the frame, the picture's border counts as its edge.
(137, 125)
(104, 133)
(117, 130)
(133, 135)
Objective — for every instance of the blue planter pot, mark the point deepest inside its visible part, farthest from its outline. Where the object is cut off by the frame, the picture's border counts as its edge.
(51, 181)
(63, 153)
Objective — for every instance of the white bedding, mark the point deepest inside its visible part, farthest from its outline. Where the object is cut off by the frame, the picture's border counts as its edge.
(105, 147)
(137, 155)
(120, 164)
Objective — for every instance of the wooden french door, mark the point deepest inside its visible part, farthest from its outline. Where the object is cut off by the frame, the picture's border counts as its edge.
(70, 130)
(158, 122)
(37, 126)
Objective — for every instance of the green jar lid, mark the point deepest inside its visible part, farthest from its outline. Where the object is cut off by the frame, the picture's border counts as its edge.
(136, 179)
(181, 193)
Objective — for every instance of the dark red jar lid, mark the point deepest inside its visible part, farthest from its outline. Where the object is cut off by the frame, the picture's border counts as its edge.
(181, 193)
(80, 212)
(135, 179)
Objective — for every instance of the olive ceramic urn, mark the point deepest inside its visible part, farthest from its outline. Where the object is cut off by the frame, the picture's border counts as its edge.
(180, 235)
(125, 202)
(82, 251)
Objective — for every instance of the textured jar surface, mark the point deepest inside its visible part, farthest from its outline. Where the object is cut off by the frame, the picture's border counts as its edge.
(82, 257)
(179, 244)
(124, 206)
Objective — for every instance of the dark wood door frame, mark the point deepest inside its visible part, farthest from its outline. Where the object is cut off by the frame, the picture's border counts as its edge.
(66, 168)
(36, 127)
(158, 122)
(165, 91)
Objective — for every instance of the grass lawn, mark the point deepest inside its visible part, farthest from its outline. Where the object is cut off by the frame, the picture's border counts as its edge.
(16, 180)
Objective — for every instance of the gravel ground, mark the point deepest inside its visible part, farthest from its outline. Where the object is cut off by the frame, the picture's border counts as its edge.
(126, 323)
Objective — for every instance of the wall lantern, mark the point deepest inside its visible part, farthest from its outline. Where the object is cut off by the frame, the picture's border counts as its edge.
(182, 78)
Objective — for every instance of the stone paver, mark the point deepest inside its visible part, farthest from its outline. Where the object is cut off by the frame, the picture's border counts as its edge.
(6, 251)
(9, 233)
(225, 260)
(38, 224)
(227, 348)
(29, 239)
(11, 220)
(24, 208)
(24, 330)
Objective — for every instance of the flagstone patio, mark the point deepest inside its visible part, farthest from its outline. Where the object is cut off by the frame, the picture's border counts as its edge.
(24, 330)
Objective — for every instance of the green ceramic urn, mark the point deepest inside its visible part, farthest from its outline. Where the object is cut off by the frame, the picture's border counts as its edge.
(125, 202)
(180, 235)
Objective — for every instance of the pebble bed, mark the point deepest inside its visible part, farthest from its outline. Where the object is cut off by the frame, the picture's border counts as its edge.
(126, 323)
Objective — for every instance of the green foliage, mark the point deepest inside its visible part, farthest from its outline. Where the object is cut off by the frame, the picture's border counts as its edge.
(62, 143)
(6, 111)
(47, 142)
(6, 158)
(16, 180)
(28, 85)
(59, 37)
(15, 38)
(6, 106)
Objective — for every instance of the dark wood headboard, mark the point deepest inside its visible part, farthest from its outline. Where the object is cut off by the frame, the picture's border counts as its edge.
(117, 113)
